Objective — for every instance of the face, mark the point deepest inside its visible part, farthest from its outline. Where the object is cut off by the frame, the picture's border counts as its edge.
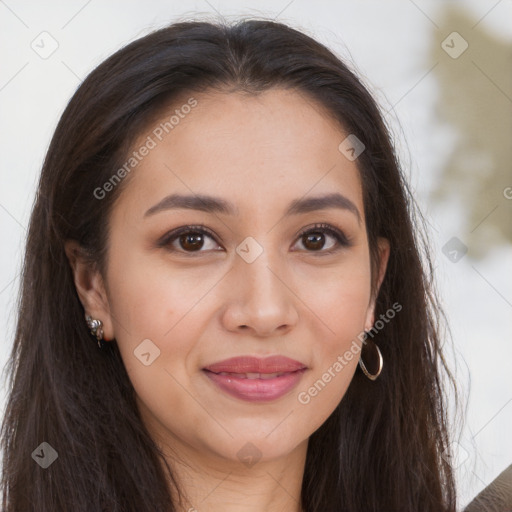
(264, 258)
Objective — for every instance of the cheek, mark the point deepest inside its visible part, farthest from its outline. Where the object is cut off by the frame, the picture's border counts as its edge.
(340, 304)
(342, 301)
(335, 358)
(157, 323)
(154, 312)
(150, 300)
(339, 296)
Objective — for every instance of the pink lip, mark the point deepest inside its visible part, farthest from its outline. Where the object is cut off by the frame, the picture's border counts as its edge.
(256, 389)
(244, 364)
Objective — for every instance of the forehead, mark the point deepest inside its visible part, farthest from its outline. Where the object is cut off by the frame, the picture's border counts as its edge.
(257, 150)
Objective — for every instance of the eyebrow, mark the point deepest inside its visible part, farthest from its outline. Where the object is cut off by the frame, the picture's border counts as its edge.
(211, 204)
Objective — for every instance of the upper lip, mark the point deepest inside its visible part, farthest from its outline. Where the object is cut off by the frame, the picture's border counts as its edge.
(250, 364)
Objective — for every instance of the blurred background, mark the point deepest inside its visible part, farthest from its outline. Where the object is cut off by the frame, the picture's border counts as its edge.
(442, 73)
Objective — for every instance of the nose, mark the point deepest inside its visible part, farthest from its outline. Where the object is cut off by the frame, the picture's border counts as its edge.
(260, 300)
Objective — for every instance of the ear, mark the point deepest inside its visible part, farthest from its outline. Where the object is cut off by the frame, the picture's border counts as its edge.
(90, 287)
(384, 250)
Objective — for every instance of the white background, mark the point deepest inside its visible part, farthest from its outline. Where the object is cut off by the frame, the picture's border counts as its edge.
(390, 45)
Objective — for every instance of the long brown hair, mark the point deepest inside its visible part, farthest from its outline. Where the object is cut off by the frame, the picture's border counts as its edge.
(380, 450)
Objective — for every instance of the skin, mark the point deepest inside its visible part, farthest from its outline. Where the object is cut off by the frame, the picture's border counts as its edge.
(260, 153)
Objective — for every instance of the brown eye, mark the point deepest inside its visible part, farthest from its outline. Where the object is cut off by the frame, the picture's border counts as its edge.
(324, 239)
(313, 240)
(191, 242)
(189, 239)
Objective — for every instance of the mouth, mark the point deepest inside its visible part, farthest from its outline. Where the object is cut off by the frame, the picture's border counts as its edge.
(264, 376)
(250, 365)
(254, 379)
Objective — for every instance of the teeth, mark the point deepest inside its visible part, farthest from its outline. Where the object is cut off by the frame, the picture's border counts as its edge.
(269, 375)
(249, 375)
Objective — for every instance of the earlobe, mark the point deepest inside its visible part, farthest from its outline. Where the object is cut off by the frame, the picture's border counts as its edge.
(90, 287)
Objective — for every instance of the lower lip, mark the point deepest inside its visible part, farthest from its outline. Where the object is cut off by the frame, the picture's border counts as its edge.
(256, 390)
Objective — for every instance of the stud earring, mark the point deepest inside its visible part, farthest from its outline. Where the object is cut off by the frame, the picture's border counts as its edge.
(96, 328)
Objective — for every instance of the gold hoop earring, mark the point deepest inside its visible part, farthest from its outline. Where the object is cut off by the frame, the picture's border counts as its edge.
(96, 328)
(371, 353)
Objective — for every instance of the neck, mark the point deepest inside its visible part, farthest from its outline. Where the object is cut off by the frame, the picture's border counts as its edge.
(210, 482)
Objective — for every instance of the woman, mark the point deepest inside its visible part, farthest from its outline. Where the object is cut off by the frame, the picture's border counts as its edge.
(222, 213)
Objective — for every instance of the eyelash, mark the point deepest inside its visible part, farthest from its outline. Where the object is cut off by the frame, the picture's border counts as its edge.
(340, 237)
(342, 240)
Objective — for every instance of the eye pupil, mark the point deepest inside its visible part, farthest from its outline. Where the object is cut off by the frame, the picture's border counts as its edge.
(192, 242)
(317, 240)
